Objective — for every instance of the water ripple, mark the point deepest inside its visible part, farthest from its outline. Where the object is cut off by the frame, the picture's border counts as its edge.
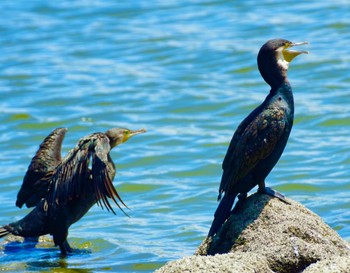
(186, 71)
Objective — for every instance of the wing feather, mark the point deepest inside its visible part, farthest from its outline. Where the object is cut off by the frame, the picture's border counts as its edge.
(102, 168)
(69, 175)
(74, 179)
(36, 180)
(255, 143)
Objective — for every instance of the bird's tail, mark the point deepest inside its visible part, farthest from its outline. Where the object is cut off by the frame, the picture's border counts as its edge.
(222, 213)
(4, 231)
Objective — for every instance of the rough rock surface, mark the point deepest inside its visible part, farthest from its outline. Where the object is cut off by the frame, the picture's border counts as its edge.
(231, 262)
(267, 235)
(338, 264)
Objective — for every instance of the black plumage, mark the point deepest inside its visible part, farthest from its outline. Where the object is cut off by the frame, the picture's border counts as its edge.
(63, 190)
(260, 139)
(37, 178)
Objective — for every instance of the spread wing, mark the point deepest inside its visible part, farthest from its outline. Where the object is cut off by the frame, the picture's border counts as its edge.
(254, 142)
(36, 180)
(73, 179)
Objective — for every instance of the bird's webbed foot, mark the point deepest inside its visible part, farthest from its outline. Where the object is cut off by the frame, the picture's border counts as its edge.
(241, 198)
(65, 248)
(273, 193)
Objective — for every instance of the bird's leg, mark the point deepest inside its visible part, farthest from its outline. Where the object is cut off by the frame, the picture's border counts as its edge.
(239, 203)
(60, 239)
(266, 190)
(65, 248)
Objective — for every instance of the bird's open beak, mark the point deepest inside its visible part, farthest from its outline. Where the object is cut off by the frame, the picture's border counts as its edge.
(289, 55)
(136, 132)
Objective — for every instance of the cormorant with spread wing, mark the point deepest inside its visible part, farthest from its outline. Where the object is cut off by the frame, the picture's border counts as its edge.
(63, 190)
(261, 138)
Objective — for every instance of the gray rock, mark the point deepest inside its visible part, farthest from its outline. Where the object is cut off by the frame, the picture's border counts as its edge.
(267, 235)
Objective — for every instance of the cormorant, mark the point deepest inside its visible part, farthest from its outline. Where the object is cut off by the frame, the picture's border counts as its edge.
(63, 190)
(260, 139)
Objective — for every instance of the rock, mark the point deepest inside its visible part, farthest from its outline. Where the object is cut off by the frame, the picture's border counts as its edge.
(334, 265)
(18, 242)
(231, 262)
(268, 235)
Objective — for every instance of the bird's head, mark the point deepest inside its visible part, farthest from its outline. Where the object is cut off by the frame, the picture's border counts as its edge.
(274, 58)
(120, 135)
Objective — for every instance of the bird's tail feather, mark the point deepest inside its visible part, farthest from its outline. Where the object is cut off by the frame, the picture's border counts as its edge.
(3, 232)
(221, 213)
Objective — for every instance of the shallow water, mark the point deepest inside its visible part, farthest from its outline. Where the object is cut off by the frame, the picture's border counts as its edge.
(186, 71)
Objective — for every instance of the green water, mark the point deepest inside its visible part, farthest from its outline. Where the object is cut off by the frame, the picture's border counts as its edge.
(186, 71)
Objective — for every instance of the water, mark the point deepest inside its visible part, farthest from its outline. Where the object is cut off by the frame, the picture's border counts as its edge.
(186, 71)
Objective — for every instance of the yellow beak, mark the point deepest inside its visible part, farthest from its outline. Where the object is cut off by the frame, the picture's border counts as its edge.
(133, 133)
(289, 55)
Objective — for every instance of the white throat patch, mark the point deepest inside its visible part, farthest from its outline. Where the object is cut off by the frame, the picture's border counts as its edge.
(280, 59)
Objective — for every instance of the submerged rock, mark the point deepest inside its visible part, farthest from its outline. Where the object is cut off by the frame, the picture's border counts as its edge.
(267, 235)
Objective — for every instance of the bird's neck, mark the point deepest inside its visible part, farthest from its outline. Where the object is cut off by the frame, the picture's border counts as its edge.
(285, 90)
(279, 78)
(273, 72)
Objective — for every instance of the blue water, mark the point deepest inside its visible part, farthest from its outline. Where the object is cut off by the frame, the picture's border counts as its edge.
(186, 71)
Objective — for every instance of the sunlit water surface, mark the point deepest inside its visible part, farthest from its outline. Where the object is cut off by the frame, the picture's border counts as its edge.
(186, 71)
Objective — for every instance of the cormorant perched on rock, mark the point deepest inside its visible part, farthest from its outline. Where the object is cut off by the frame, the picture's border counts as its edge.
(261, 137)
(63, 190)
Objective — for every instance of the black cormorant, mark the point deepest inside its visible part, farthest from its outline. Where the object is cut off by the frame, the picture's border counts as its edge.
(261, 137)
(63, 190)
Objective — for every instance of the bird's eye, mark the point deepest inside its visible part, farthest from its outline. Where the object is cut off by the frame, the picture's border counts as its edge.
(287, 45)
(126, 132)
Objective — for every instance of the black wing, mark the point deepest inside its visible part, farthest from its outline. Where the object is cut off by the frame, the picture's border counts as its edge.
(36, 180)
(253, 143)
(74, 179)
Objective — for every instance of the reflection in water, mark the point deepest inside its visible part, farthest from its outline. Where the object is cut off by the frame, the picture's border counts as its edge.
(186, 71)
(33, 256)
